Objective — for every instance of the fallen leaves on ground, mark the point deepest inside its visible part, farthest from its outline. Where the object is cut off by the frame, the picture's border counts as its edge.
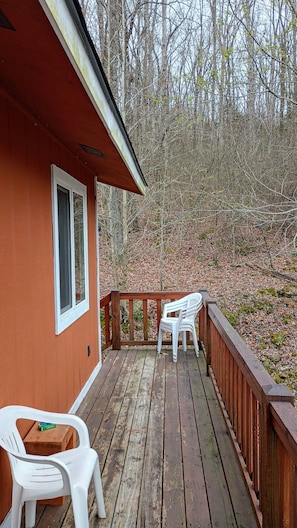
(258, 299)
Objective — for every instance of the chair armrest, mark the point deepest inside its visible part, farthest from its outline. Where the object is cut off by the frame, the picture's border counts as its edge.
(77, 423)
(171, 307)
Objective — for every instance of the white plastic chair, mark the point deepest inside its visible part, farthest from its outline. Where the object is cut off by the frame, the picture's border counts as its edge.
(45, 477)
(188, 307)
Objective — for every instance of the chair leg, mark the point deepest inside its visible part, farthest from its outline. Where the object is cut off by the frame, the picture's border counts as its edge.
(184, 340)
(99, 492)
(195, 342)
(159, 346)
(174, 344)
(17, 506)
(79, 498)
(30, 513)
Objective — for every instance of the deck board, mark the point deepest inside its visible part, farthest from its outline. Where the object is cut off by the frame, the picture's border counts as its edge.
(126, 510)
(220, 504)
(150, 506)
(165, 453)
(197, 509)
(173, 482)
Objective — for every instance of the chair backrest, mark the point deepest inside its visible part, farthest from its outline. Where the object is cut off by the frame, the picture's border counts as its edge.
(194, 303)
(188, 305)
(10, 438)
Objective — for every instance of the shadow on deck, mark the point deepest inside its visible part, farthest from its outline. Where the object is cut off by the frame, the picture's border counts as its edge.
(165, 453)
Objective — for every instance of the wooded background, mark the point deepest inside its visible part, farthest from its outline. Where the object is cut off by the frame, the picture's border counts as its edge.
(207, 90)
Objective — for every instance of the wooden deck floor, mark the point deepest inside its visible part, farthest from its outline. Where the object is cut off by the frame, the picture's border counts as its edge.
(165, 454)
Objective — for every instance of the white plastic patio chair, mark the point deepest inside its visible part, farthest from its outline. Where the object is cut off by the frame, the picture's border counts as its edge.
(45, 477)
(188, 307)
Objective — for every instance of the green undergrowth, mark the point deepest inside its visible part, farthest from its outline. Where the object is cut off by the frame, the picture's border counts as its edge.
(271, 338)
(286, 374)
(137, 318)
(251, 305)
(263, 301)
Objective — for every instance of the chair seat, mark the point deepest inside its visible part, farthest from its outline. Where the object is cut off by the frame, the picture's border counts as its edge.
(167, 322)
(46, 481)
(174, 320)
(40, 479)
(80, 462)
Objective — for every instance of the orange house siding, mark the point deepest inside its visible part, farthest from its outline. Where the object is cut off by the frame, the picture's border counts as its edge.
(37, 367)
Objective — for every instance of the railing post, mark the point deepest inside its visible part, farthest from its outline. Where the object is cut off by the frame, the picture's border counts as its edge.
(116, 320)
(206, 330)
(269, 478)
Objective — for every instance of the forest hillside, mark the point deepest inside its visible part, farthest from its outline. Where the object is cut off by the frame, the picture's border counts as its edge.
(256, 290)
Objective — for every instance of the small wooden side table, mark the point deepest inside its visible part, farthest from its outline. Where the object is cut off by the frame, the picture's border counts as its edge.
(48, 442)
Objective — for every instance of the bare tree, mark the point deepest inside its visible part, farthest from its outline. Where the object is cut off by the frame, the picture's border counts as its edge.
(207, 90)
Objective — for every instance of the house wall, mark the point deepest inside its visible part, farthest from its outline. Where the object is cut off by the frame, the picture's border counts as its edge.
(37, 367)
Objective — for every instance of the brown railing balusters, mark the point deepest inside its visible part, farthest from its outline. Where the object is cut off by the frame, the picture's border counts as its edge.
(145, 319)
(131, 319)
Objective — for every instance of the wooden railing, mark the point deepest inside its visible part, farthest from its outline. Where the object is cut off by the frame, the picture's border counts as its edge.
(121, 320)
(260, 414)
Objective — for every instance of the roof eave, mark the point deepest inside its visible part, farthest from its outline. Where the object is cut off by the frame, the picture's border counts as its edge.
(68, 23)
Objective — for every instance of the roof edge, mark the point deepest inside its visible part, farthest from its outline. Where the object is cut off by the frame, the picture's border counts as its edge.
(87, 64)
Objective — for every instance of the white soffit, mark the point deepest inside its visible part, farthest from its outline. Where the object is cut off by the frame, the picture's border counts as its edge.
(64, 27)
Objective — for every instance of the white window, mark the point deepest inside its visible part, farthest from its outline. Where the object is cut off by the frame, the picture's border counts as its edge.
(69, 198)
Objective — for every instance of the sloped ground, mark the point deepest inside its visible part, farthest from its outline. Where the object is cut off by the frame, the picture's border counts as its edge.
(255, 289)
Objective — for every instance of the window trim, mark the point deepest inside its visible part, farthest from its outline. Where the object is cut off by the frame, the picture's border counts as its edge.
(63, 319)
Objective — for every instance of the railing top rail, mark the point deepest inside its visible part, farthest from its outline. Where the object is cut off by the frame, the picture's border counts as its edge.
(105, 300)
(163, 295)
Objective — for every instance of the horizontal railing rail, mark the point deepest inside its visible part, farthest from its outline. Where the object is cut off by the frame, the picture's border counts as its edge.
(260, 414)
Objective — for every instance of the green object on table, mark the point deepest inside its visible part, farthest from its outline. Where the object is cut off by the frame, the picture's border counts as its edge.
(44, 426)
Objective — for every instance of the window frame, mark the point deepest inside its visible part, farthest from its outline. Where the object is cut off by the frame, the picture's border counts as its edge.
(64, 318)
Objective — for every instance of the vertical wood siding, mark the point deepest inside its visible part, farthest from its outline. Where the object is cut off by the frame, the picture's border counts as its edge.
(37, 367)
